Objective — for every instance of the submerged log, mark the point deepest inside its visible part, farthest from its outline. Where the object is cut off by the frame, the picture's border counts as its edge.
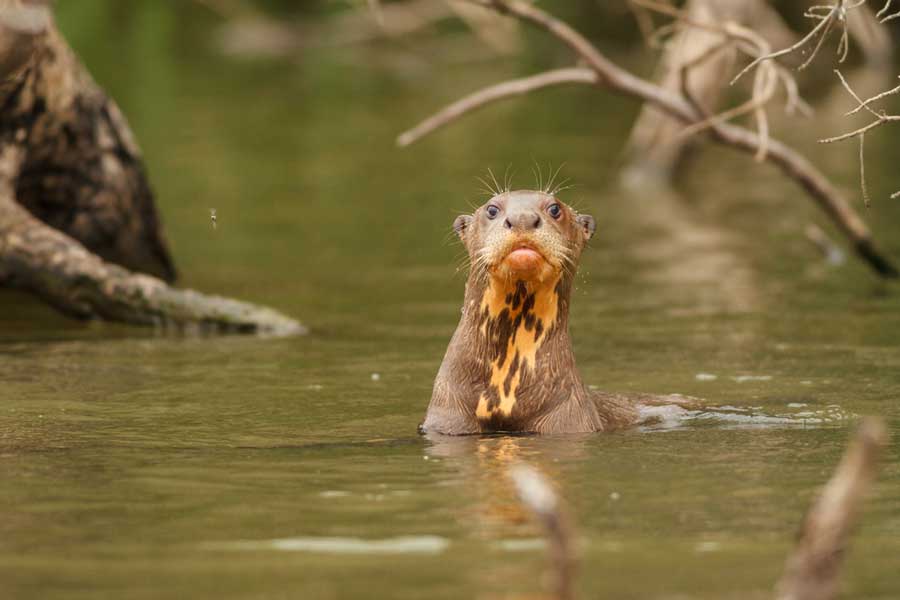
(78, 223)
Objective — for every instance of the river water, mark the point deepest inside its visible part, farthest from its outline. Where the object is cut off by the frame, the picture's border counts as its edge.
(138, 465)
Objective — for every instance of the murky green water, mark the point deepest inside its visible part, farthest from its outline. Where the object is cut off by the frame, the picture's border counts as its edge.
(135, 466)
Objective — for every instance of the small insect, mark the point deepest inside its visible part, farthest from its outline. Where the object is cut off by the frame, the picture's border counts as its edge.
(212, 217)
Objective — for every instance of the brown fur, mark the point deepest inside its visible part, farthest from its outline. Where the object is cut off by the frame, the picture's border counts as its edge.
(509, 366)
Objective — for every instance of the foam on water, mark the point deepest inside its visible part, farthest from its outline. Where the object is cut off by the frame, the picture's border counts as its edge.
(418, 544)
(668, 417)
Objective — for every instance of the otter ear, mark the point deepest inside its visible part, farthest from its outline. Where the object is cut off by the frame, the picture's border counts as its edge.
(461, 224)
(588, 226)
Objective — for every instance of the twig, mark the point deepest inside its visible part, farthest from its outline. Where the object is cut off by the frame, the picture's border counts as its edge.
(792, 164)
(865, 103)
(538, 495)
(836, 13)
(773, 55)
(882, 14)
(813, 569)
(507, 89)
(880, 119)
(862, 169)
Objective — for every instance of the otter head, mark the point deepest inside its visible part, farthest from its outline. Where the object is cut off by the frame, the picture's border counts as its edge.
(525, 236)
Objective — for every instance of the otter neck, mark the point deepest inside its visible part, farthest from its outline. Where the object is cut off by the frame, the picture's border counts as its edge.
(541, 306)
(521, 329)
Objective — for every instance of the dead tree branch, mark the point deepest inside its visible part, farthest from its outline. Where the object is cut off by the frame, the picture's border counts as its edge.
(795, 166)
(813, 569)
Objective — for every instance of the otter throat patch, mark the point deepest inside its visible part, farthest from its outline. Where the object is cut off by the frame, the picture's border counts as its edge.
(515, 323)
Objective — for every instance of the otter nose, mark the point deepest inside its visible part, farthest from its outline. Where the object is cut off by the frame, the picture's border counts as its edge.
(523, 221)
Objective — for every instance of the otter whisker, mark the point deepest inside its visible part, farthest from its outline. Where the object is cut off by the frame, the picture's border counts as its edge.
(507, 178)
(538, 174)
(553, 176)
(561, 186)
(494, 179)
(487, 187)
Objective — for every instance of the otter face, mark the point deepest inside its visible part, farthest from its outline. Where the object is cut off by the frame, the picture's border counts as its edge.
(524, 235)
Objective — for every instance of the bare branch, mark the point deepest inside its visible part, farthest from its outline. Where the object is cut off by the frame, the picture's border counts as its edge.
(823, 24)
(861, 131)
(790, 162)
(882, 14)
(880, 119)
(828, 16)
(507, 89)
(813, 569)
(864, 104)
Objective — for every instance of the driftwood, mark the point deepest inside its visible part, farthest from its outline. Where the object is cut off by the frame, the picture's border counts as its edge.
(78, 224)
(602, 72)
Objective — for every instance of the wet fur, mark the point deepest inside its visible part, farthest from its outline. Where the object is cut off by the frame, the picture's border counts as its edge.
(509, 365)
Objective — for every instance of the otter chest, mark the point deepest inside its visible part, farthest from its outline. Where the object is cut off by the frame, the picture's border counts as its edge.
(514, 323)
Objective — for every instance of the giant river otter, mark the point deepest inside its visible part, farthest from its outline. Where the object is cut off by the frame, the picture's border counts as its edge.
(509, 366)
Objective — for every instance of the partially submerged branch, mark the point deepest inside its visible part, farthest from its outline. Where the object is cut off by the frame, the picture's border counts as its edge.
(539, 496)
(78, 222)
(618, 80)
(813, 569)
(39, 259)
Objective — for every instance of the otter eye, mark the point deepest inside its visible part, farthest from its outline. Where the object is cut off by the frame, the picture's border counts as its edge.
(492, 211)
(554, 210)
